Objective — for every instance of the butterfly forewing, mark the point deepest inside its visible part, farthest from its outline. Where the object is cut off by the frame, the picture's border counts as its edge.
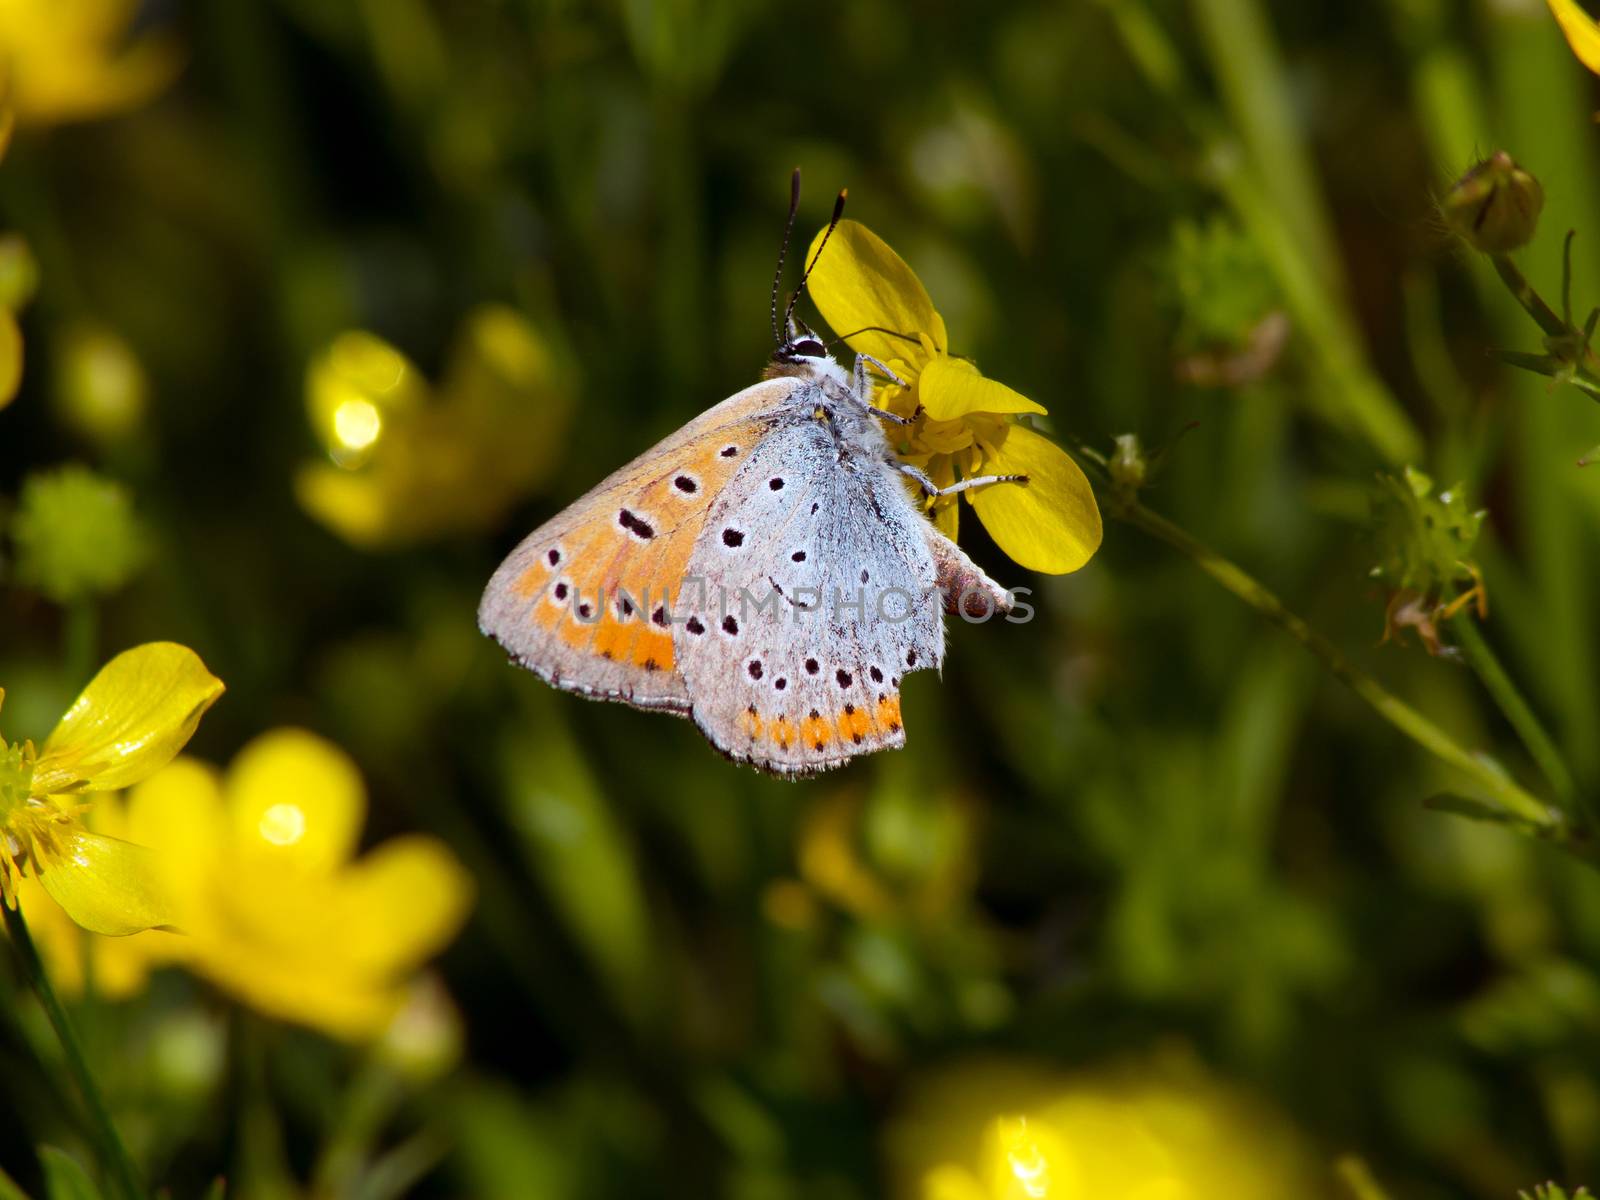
(583, 601)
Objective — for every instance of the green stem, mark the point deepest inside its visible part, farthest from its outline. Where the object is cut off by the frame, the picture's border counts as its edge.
(1516, 710)
(1544, 364)
(1532, 303)
(1513, 800)
(368, 1103)
(260, 1164)
(116, 1160)
(1580, 374)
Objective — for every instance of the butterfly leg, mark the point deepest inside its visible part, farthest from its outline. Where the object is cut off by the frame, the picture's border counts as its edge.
(861, 390)
(861, 373)
(961, 485)
(883, 414)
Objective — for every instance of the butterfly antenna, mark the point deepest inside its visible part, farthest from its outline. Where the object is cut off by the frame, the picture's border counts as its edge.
(894, 333)
(838, 211)
(783, 251)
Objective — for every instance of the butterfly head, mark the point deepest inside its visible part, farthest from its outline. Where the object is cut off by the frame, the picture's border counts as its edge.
(805, 354)
(800, 347)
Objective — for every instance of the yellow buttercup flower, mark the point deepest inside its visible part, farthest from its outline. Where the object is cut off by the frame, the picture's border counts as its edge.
(73, 60)
(134, 716)
(410, 461)
(275, 908)
(1582, 31)
(964, 424)
(1007, 1132)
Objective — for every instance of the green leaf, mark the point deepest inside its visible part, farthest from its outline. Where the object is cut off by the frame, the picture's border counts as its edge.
(64, 1176)
(1465, 806)
(9, 1189)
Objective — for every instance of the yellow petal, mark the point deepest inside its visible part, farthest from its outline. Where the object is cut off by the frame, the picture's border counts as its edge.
(943, 437)
(859, 281)
(1050, 523)
(178, 813)
(65, 79)
(1583, 32)
(356, 507)
(106, 885)
(298, 799)
(134, 716)
(357, 392)
(402, 903)
(295, 990)
(953, 387)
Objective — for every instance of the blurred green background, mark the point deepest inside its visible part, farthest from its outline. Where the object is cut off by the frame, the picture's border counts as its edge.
(1145, 828)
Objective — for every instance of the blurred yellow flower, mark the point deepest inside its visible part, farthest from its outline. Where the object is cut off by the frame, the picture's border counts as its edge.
(1582, 31)
(276, 909)
(964, 424)
(72, 60)
(898, 854)
(1153, 1132)
(134, 716)
(409, 462)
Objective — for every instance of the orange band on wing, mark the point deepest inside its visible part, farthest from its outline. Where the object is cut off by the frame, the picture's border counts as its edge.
(783, 732)
(749, 722)
(889, 713)
(854, 724)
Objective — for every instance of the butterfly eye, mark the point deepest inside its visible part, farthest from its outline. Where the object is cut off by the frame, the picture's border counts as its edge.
(807, 348)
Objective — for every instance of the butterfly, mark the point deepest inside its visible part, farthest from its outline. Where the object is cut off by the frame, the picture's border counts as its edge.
(765, 571)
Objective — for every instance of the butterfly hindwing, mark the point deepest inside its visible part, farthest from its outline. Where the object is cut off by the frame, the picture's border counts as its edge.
(818, 579)
(584, 600)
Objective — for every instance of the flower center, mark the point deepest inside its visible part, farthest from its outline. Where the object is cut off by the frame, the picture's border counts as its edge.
(16, 780)
(16, 784)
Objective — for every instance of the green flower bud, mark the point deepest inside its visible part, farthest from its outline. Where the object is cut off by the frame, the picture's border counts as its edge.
(1425, 541)
(76, 534)
(1219, 284)
(425, 1039)
(187, 1054)
(1128, 464)
(1495, 206)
